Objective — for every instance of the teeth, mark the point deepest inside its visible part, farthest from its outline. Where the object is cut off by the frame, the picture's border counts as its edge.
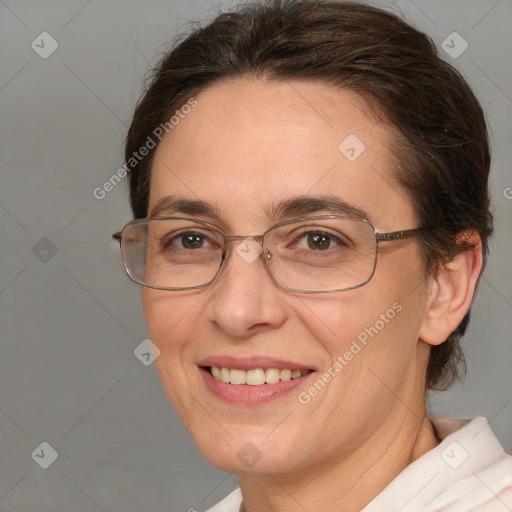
(236, 376)
(285, 374)
(256, 377)
(271, 376)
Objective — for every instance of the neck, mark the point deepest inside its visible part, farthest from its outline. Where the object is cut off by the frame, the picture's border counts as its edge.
(348, 482)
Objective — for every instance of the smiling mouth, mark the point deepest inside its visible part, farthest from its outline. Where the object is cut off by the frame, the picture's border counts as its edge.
(256, 376)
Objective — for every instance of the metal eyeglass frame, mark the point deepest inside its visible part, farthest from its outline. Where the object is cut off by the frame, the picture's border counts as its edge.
(379, 237)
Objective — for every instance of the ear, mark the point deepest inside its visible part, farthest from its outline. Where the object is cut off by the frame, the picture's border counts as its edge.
(452, 291)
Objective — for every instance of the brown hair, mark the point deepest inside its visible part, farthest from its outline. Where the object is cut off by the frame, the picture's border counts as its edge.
(441, 151)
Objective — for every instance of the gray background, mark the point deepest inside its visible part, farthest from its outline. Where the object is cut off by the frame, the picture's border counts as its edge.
(70, 321)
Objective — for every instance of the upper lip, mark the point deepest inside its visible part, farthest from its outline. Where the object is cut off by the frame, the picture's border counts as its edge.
(251, 363)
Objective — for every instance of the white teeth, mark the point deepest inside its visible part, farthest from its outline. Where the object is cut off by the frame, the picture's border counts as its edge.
(224, 375)
(216, 372)
(255, 377)
(271, 375)
(236, 376)
(285, 374)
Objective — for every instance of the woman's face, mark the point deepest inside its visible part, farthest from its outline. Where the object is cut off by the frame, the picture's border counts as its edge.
(247, 146)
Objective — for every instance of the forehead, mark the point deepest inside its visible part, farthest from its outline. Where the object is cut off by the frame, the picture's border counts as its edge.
(249, 144)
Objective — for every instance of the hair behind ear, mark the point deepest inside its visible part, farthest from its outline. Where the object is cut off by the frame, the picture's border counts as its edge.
(447, 363)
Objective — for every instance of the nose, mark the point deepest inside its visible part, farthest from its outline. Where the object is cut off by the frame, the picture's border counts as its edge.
(243, 299)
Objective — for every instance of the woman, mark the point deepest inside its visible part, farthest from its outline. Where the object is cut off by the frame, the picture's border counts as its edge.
(309, 183)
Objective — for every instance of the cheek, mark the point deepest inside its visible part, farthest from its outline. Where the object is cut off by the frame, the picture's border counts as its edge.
(172, 322)
(369, 357)
(168, 318)
(374, 328)
(357, 317)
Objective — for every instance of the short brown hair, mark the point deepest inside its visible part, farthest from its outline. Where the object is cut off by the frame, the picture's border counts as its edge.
(441, 151)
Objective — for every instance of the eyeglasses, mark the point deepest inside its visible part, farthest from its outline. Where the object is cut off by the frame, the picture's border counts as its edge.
(321, 254)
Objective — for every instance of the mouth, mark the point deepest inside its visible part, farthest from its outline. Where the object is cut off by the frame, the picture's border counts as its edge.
(252, 381)
(256, 376)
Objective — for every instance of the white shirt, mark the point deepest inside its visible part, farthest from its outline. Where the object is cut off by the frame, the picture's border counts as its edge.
(467, 472)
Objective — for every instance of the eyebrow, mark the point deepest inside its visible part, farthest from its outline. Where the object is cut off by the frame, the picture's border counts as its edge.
(172, 204)
(306, 205)
(286, 208)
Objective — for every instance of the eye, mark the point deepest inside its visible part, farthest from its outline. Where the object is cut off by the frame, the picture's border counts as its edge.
(186, 240)
(318, 240)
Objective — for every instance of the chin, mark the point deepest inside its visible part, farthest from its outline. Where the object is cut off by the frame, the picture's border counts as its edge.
(248, 454)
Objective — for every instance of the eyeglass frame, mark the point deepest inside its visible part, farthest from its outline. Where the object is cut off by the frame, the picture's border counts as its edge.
(391, 236)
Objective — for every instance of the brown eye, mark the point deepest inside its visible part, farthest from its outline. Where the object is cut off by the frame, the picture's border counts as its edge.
(192, 241)
(319, 241)
(186, 240)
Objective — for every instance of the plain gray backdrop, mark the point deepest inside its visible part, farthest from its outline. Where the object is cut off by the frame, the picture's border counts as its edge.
(71, 319)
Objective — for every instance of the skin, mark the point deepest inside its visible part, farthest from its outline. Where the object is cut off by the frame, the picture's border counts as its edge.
(249, 143)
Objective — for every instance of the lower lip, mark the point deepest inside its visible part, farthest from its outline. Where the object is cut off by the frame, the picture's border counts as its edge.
(244, 394)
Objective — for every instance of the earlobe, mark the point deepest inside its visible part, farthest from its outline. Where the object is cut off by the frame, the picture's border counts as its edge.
(452, 292)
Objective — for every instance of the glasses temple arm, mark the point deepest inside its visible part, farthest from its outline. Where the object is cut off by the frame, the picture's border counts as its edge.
(400, 235)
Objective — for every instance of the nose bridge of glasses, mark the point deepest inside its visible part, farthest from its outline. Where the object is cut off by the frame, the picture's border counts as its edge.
(251, 238)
